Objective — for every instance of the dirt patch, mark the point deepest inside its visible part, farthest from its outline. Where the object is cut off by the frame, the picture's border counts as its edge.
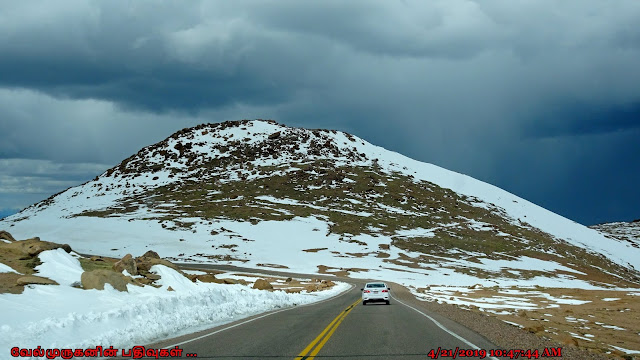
(322, 269)
(340, 272)
(598, 320)
(315, 250)
(358, 255)
(276, 266)
(8, 283)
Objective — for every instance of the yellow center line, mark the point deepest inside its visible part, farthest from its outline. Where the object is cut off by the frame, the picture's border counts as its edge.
(328, 331)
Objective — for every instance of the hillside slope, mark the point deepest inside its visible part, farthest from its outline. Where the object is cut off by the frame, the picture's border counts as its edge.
(262, 194)
(626, 232)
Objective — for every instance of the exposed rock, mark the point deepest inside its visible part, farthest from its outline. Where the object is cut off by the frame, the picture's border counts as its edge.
(275, 135)
(230, 281)
(34, 246)
(4, 235)
(384, 246)
(262, 284)
(96, 258)
(151, 254)
(126, 263)
(144, 281)
(311, 288)
(207, 278)
(288, 279)
(293, 290)
(26, 280)
(96, 279)
(170, 289)
(152, 277)
(144, 264)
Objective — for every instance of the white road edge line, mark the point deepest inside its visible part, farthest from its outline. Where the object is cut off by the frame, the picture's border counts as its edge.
(259, 317)
(443, 327)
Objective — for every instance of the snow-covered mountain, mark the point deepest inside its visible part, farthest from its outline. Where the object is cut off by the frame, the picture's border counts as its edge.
(257, 193)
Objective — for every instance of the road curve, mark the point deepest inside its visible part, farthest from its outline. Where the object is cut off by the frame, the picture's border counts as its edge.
(337, 328)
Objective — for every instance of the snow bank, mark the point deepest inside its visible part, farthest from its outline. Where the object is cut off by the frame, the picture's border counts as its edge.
(63, 316)
(59, 266)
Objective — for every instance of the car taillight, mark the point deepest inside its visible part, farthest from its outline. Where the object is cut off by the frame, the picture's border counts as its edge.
(367, 291)
(385, 290)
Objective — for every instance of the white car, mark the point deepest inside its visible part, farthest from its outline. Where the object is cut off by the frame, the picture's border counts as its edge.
(375, 291)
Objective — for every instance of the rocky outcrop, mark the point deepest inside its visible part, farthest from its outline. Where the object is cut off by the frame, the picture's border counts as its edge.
(96, 279)
(150, 258)
(126, 263)
(34, 246)
(262, 284)
(6, 236)
(37, 280)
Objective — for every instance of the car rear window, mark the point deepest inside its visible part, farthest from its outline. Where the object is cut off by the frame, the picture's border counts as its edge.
(375, 285)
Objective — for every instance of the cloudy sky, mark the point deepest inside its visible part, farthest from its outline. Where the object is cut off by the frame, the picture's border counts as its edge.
(539, 97)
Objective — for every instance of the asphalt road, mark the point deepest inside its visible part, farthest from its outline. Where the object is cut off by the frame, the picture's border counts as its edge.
(337, 328)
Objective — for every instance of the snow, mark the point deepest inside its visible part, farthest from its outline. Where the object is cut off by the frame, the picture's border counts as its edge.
(283, 242)
(626, 351)
(59, 266)
(613, 327)
(7, 269)
(67, 317)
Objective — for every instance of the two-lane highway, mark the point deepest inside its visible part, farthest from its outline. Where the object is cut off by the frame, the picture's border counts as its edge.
(337, 328)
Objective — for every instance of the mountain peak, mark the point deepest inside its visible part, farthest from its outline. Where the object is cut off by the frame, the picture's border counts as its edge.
(231, 144)
(226, 190)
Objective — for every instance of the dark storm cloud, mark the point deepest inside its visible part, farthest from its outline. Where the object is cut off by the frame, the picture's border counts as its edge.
(583, 118)
(500, 90)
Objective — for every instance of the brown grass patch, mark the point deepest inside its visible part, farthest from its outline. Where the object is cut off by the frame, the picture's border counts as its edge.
(8, 283)
(595, 325)
(315, 250)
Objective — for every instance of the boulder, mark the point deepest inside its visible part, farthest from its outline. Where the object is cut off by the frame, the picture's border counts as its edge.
(262, 284)
(26, 280)
(311, 288)
(151, 254)
(288, 279)
(230, 281)
(126, 263)
(34, 246)
(144, 264)
(4, 235)
(293, 291)
(96, 279)
(207, 278)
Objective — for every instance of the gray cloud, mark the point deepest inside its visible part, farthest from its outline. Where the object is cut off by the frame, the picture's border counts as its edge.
(25, 181)
(498, 90)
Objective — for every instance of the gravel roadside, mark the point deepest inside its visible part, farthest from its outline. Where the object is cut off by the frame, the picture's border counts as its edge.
(498, 332)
